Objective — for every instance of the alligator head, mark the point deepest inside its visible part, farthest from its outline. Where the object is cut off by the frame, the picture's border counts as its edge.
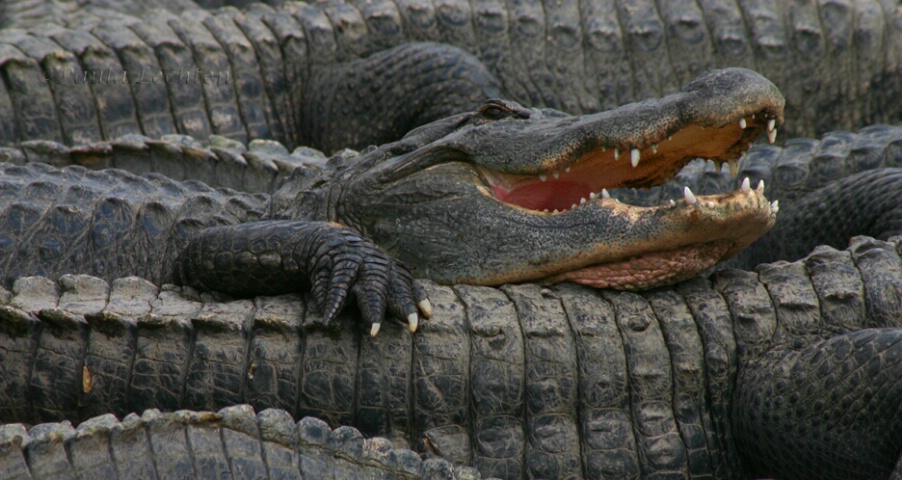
(510, 194)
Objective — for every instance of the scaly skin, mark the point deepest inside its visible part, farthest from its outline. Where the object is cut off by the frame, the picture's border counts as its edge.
(698, 379)
(837, 62)
(412, 197)
(221, 72)
(231, 443)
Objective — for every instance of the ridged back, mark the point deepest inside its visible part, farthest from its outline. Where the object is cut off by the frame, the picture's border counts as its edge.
(108, 223)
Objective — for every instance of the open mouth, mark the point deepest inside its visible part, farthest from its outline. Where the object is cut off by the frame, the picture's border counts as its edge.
(706, 229)
(570, 183)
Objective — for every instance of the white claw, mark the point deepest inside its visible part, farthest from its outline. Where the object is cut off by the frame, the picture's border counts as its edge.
(718, 166)
(616, 153)
(413, 322)
(734, 167)
(634, 157)
(710, 204)
(593, 196)
(742, 123)
(375, 329)
(746, 185)
(605, 193)
(425, 307)
(760, 186)
(672, 203)
(543, 178)
(689, 196)
(772, 135)
(775, 206)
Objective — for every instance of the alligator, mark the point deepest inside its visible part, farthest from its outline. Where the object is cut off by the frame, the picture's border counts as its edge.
(527, 177)
(323, 74)
(788, 371)
(231, 443)
(703, 369)
(867, 98)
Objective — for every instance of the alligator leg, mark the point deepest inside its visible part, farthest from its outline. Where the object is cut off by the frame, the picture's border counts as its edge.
(276, 257)
(519, 380)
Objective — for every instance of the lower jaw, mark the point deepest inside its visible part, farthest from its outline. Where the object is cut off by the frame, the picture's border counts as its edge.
(649, 270)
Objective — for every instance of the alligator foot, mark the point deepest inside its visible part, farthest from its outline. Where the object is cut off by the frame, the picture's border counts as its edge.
(332, 261)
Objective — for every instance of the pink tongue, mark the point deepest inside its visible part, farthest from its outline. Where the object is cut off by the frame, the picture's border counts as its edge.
(551, 195)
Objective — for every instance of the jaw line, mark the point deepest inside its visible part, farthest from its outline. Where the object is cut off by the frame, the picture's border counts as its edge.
(678, 234)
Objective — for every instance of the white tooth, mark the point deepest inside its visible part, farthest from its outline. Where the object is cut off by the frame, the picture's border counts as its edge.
(543, 178)
(689, 196)
(567, 169)
(742, 123)
(772, 135)
(734, 167)
(771, 124)
(375, 329)
(546, 210)
(572, 206)
(616, 154)
(593, 196)
(604, 149)
(654, 148)
(555, 174)
(617, 201)
(425, 307)
(634, 157)
(669, 137)
(718, 166)
(710, 204)
(760, 186)
(413, 322)
(582, 200)
(672, 203)
(775, 206)
(555, 211)
(746, 185)
(605, 193)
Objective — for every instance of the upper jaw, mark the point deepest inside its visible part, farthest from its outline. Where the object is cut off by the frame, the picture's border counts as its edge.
(549, 162)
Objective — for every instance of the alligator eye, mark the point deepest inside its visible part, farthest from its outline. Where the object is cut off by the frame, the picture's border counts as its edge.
(499, 109)
(494, 112)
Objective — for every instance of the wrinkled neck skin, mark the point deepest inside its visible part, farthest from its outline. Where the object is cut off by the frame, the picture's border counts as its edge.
(509, 194)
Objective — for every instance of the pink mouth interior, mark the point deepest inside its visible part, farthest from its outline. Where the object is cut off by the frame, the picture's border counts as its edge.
(566, 185)
(550, 195)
